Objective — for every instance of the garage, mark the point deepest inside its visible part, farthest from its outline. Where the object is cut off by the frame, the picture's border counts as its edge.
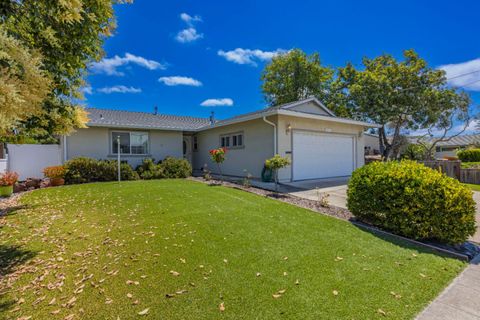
(317, 155)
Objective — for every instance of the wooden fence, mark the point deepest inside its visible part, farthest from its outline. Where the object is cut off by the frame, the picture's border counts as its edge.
(452, 168)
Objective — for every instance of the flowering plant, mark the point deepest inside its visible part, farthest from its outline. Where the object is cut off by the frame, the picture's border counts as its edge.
(54, 172)
(218, 156)
(8, 179)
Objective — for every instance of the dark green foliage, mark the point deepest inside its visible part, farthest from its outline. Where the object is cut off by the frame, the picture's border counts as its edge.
(412, 200)
(469, 155)
(175, 168)
(149, 170)
(415, 152)
(83, 170)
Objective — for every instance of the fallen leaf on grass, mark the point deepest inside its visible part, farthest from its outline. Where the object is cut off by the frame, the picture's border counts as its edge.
(338, 259)
(297, 282)
(276, 296)
(170, 295)
(174, 273)
(143, 312)
(52, 301)
(25, 318)
(69, 317)
(383, 313)
(55, 311)
(396, 295)
(335, 292)
(21, 300)
(129, 295)
(108, 301)
(258, 274)
(221, 307)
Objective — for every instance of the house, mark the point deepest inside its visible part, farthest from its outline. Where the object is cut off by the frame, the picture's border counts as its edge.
(319, 144)
(449, 148)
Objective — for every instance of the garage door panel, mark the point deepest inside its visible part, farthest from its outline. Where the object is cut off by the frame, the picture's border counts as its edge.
(320, 155)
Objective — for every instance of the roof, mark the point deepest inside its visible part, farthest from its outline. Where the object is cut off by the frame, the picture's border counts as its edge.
(143, 120)
(286, 109)
(461, 140)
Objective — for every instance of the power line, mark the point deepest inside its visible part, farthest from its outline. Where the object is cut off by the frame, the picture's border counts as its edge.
(464, 74)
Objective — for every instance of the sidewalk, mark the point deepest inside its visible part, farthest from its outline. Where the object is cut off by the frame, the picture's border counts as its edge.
(460, 300)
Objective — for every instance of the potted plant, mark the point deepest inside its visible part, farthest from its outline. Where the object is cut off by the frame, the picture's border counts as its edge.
(276, 163)
(56, 175)
(218, 156)
(7, 180)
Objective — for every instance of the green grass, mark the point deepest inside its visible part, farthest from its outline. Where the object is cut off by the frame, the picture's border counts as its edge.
(475, 187)
(95, 238)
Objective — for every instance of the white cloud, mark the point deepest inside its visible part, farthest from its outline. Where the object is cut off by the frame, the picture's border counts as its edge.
(188, 35)
(249, 56)
(188, 19)
(109, 65)
(86, 90)
(217, 102)
(470, 71)
(180, 81)
(119, 89)
(471, 129)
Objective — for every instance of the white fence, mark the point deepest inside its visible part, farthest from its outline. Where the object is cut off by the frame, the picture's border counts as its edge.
(29, 160)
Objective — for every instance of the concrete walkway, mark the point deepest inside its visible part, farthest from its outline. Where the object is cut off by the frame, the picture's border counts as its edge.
(460, 300)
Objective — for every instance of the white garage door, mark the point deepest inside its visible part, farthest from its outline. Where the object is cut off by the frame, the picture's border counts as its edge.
(322, 155)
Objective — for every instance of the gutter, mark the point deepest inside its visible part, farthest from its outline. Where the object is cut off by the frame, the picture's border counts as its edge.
(274, 134)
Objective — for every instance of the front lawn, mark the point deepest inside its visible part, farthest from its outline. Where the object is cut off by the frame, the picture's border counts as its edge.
(177, 249)
(474, 187)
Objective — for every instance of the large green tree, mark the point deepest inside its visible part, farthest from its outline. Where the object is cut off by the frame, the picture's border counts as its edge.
(295, 75)
(402, 95)
(23, 83)
(68, 35)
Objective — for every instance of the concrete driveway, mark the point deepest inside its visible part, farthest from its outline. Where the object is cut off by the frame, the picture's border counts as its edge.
(315, 189)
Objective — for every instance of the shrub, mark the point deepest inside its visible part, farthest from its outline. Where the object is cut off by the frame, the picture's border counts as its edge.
(469, 155)
(83, 170)
(218, 156)
(412, 200)
(149, 170)
(175, 168)
(54, 172)
(8, 179)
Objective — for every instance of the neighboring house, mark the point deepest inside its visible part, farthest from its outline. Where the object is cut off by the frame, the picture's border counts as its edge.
(450, 148)
(372, 145)
(3, 158)
(319, 144)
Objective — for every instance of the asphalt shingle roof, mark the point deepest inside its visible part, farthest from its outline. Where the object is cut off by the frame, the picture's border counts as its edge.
(131, 119)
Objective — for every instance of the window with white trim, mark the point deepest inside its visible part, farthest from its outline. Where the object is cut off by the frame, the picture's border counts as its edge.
(133, 142)
(232, 140)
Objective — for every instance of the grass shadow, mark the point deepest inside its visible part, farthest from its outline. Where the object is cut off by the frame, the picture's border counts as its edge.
(11, 257)
(9, 211)
(407, 243)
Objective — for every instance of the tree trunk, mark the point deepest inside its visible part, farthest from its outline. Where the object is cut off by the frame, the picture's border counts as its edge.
(276, 180)
(220, 170)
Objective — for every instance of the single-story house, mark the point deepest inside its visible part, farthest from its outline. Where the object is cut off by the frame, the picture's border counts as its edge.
(319, 144)
(449, 148)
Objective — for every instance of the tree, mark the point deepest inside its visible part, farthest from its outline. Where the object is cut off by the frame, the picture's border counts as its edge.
(69, 35)
(23, 84)
(405, 95)
(276, 163)
(294, 76)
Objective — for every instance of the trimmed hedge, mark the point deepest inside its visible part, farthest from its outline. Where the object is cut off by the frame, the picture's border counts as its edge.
(469, 155)
(83, 170)
(149, 170)
(410, 199)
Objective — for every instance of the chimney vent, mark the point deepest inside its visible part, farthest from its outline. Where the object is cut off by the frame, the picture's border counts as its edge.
(212, 118)
(155, 110)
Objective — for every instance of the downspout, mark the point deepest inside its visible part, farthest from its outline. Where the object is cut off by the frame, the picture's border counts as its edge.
(274, 134)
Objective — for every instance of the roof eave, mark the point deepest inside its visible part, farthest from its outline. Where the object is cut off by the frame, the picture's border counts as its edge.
(328, 118)
(120, 126)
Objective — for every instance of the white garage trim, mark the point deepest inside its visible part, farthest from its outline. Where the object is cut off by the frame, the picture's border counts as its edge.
(295, 176)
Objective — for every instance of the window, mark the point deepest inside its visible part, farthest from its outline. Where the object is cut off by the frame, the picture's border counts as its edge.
(130, 142)
(232, 140)
(195, 143)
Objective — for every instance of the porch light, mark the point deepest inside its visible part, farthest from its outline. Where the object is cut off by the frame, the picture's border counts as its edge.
(289, 128)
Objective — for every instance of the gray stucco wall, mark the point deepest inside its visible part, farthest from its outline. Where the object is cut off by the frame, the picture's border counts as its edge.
(95, 142)
(258, 146)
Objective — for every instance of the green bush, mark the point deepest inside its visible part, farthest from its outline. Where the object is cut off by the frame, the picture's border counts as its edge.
(415, 152)
(83, 170)
(410, 199)
(469, 155)
(175, 168)
(149, 170)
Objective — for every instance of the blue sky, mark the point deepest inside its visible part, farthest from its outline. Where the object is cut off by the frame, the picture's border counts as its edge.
(181, 54)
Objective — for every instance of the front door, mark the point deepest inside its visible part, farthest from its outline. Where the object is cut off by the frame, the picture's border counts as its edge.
(187, 148)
